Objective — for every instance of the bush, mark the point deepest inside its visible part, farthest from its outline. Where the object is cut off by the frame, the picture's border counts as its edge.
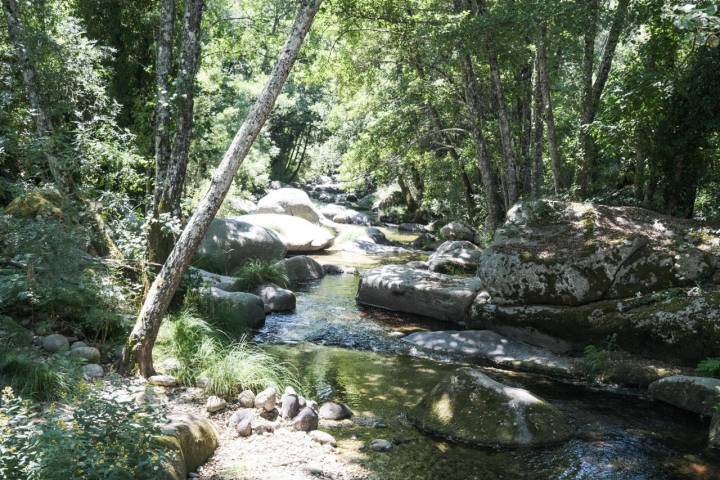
(202, 351)
(104, 439)
(709, 367)
(256, 273)
(32, 376)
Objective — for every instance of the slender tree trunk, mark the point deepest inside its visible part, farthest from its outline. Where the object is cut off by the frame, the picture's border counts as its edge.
(160, 242)
(43, 124)
(138, 349)
(537, 171)
(523, 111)
(496, 213)
(548, 110)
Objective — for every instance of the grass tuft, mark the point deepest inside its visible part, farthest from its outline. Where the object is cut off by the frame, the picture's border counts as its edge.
(256, 273)
(33, 376)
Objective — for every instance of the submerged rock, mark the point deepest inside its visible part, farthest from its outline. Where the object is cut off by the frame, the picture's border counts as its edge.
(695, 394)
(297, 234)
(403, 289)
(470, 407)
(230, 243)
(457, 255)
(488, 346)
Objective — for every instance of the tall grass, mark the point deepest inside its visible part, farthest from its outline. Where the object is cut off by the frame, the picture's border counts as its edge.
(227, 367)
(33, 376)
(256, 273)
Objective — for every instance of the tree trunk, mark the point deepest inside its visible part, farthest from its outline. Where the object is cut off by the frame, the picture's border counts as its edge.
(43, 123)
(160, 242)
(138, 348)
(523, 112)
(548, 110)
(472, 99)
(537, 171)
(586, 110)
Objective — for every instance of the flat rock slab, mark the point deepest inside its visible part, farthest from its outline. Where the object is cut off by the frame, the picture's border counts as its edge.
(494, 348)
(695, 394)
(403, 289)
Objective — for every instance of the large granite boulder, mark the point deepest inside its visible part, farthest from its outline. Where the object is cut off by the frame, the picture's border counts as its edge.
(230, 243)
(455, 255)
(297, 234)
(560, 253)
(301, 269)
(290, 201)
(191, 441)
(457, 231)
(695, 394)
(485, 346)
(234, 312)
(472, 408)
(403, 289)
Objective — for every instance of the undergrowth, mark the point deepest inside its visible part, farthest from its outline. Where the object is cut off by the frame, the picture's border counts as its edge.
(38, 378)
(256, 273)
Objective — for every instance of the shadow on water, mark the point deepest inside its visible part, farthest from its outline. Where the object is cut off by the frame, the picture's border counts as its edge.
(617, 438)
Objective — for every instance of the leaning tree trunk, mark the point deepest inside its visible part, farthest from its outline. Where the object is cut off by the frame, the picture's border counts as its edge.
(159, 242)
(543, 81)
(138, 348)
(18, 37)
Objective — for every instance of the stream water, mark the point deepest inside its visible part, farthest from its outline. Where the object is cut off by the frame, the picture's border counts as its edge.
(355, 355)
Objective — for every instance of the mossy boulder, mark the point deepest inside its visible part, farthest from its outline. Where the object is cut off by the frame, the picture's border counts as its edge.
(470, 407)
(36, 203)
(191, 441)
(455, 256)
(562, 253)
(233, 312)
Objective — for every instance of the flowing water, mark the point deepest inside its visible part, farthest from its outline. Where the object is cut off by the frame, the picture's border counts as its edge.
(354, 355)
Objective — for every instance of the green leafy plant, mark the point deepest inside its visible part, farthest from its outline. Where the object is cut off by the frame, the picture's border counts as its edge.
(595, 359)
(203, 352)
(256, 273)
(710, 367)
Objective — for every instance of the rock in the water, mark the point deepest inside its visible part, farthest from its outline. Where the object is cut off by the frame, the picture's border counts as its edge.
(470, 407)
(306, 421)
(458, 255)
(246, 399)
(266, 399)
(302, 269)
(335, 411)
(290, 201)
(488, 346)
(215, 404)
(92, 371)
(234, 312)
(90, 354)
(55, 343)
(290, 406)
(276, 299)
(297, 235)
(323, 438)
(457, 231)
(695, 394)
(163, 380)
(380, 445)
(192, 440)
(403, 289)
(230, 243)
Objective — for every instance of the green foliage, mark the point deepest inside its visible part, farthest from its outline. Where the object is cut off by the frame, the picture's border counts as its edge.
(33, 376)
(709, 367)
(204, 352)
(104, 439)
(595, 360)
(256, 273)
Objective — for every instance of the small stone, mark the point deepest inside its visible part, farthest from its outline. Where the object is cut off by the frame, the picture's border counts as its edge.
(78, 345)
(380, 445)
(290, 406)
(91, 354)
(163, 380)
(215, 404)
(55, 343)
(306, 420)
(313, 404)
(246, 399)
(323, 438)
(244, 427)
(266, 399)
(240, 415)
(92, 371)
(335, 411)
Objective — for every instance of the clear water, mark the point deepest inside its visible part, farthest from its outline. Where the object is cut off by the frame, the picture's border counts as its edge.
(354, 355)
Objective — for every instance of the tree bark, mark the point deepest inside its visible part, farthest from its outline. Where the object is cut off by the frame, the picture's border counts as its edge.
(523, 112)
(138, 349)
(43, 123)
(537, 171)
(548, 110)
